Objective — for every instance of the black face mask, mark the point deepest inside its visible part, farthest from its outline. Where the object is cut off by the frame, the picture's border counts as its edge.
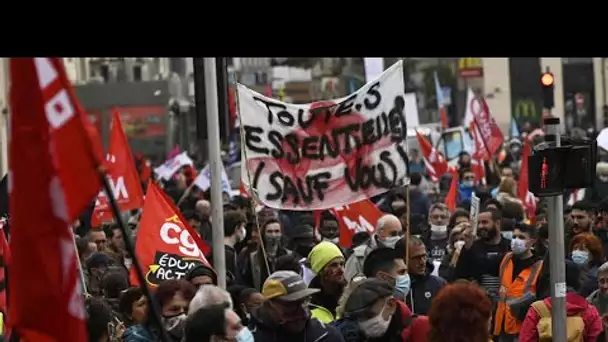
(303, 250)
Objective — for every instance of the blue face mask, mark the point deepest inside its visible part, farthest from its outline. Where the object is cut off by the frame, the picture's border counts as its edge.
(403, 284)
(468, 183)
(244, 335)
(580, 257)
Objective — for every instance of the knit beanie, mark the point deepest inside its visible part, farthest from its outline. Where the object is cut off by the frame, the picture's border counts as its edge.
(322, 254)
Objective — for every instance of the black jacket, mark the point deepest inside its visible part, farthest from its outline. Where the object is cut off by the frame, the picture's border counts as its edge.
(424, 289)
(264, 330)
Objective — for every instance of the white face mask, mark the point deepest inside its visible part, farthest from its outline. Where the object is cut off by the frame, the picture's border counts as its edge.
(439, 232)
(241, 234)
(603, 178)
(391, 241)
(335, 240)
(376, 326)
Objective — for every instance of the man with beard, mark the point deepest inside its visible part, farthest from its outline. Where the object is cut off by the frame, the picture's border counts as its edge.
(581, 221)
(327, 262)
(479, 260)
(284, 316)
(388, 231)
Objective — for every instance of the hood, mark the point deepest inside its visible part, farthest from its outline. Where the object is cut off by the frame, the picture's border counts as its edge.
(575, 303)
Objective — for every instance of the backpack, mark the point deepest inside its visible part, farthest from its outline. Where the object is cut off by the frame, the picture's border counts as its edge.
(575, 326)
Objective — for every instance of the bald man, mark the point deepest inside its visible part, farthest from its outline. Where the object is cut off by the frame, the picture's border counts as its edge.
(203, 209)
(388, 232)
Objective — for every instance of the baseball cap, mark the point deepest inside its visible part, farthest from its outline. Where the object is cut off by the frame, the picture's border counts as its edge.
(287, 286)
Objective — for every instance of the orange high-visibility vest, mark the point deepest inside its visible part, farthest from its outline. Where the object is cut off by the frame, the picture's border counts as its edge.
(511, 290)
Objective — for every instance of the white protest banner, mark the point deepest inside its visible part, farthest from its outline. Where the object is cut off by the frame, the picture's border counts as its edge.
(329, 153)
(170, 167)
(203, 180)
(474, 215)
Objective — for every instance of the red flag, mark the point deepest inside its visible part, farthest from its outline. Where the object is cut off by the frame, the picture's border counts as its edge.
(356, 217)
(523, 192)
(489, 131)
(435, 164)
(6, 260)
(452, 197)
(167, 247)
(444, 118)
(51, 156)
(123, 177)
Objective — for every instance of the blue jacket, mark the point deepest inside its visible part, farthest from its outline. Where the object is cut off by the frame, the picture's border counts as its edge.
(464, 194)
(138, 333)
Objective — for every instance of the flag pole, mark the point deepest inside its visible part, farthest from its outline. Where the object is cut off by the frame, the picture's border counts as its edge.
(154, 314)
(215, 159)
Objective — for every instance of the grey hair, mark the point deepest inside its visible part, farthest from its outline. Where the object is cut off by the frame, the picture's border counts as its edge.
(209, 295)
(441, 206)
(415, 241)
(603, 268)
(382, 221)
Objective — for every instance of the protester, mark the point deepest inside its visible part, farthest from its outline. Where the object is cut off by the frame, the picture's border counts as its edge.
(302, 241)
(97, 265)
(460, 312)
(216, 323)
(173, 298)
(388, 231)
(587, 253)
(419, 201)
(203, 209)
(246, 301)
(113, 284)
(201, 274)
(327, 263)
(459, 236)
(599, 297)
(582, 317)
(117, 247)
(209, 295)
(328, 228)
(133, 306)
(372, 314)
(458, 216)
(254, 270)
(425, 286)
(479, 259)
(437, 241)
(581, 222)
(519, 272)
(284, 316)
(385, 264)
(99, 318)
(234, 232)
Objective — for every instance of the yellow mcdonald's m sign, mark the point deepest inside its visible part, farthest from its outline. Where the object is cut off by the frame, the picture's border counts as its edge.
(470, 67)
(525, 110)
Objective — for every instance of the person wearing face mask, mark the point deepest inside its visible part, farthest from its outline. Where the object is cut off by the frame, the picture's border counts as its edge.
(172, 297)
(234, 232)
(587, 253)
(384, 263)
(327, 263)
(466, 185)
(371, 313)
(216, 323)
(479, 259)
(302, 241)
(519, 273)
(437, 239)
(388, 231)
(255, 271)
(285, 314)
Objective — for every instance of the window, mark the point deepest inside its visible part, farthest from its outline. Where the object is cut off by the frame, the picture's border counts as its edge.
(137, 73)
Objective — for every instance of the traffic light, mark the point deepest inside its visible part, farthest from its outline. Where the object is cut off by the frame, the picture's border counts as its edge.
(605, 115)
(547, 82)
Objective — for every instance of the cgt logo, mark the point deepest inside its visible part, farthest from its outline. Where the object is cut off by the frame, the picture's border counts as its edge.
(525, 109)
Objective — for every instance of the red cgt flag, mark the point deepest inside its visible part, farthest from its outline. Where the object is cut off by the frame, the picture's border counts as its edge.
(356, 217)
(434, 162)
(166, 246)
(54, 177)
(123, 177)
(451, 198)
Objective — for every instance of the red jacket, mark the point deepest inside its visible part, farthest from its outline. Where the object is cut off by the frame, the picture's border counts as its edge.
(418, 327)
(575, 305)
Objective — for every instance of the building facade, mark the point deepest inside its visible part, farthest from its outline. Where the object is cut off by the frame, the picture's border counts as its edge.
(513, 90)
